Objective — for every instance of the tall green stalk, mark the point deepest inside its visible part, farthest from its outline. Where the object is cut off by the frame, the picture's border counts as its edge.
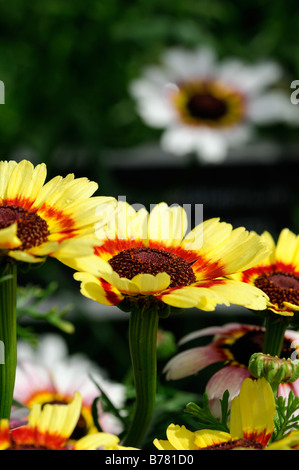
(143, 328)
(8, 338)
(276, 326)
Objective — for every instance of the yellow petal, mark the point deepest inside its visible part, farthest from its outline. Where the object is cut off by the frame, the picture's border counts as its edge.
(241, 251)
(183, 297)
(167, 224)
(180, 437)
(25, 257)
(8, 237)
(207, 236)
(92, 288)
(241, 293)
(287, 246)
(149, 284)
(206, 438)
(163, 445)
(6, 169)
(193, 296)
(94, 441)
(253, 411)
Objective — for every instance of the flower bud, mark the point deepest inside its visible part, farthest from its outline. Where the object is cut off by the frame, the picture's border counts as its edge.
(274, 369)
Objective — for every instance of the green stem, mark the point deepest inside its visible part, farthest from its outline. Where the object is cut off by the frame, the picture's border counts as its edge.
(143, 328)
(8, 338)
(276, 326)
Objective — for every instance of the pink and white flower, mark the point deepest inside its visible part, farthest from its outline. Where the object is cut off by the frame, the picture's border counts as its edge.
(232, 346)
(208, 107)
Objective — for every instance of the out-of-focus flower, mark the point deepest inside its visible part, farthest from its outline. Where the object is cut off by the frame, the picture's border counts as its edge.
(49, 374)
(251, 424)
(207, 107)
(39, 220)
(148, 257)
(278, 274)
(231, 347)
(50, 427)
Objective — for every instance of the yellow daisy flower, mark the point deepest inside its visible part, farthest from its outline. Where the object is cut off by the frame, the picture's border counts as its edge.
(251, 424)
(278, 274)
(50, 427)
(142, 254)
(39, 220)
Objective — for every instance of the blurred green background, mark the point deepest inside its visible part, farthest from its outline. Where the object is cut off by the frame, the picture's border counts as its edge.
(67, 65)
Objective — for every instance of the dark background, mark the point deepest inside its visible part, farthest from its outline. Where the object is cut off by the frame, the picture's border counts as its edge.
(67, 66)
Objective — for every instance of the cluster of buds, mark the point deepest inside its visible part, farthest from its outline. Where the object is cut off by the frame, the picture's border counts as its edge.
(274, 369)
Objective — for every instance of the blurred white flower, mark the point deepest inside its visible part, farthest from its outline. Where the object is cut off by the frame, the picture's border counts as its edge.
(49, 374)
(208, 107)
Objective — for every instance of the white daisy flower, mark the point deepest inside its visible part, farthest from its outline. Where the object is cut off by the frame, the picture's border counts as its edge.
(208, 107)
(48, 374)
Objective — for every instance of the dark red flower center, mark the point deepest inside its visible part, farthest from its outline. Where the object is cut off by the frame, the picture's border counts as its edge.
(235, 444)
(143, 260)
(252, 342)
(206, 106)
(32, 230)
(280, 286)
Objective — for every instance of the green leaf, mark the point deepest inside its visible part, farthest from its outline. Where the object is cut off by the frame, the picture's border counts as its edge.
(29, 299)
(204, 417)
(106, 406)
(286, 419)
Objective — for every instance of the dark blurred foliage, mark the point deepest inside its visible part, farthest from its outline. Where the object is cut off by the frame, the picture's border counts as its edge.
(67, 65)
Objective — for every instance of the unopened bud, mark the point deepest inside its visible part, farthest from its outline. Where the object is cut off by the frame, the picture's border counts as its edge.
(274, 369)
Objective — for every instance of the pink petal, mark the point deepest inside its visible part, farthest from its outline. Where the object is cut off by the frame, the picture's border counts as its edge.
(192, 361)
(228, 378)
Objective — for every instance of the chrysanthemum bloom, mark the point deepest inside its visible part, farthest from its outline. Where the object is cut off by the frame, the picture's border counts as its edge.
(48, 374)
(208, 107)
(278, 274)
(278, 277)
(145, 264)
(37, 220)
(251, 424)
(231, 347)
(50, 427)
(149, 257)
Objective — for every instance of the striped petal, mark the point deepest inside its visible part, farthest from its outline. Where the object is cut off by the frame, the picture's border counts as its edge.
(191, 361)
(206, 438)
(24, 183)
(253, 412)
(5, 440)
(98, 289)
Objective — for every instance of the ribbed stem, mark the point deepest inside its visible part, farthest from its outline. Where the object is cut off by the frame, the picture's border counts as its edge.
(143, 328)
(276, 326)
(8, 338)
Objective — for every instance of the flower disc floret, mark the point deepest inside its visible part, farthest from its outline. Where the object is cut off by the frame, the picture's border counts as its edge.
(141, 260)
(32, 230)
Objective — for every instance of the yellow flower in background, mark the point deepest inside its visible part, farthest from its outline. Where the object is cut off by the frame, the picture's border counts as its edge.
(278, 274)
(251, 424)
(39, 220)
(149, 255)
(50, 427)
